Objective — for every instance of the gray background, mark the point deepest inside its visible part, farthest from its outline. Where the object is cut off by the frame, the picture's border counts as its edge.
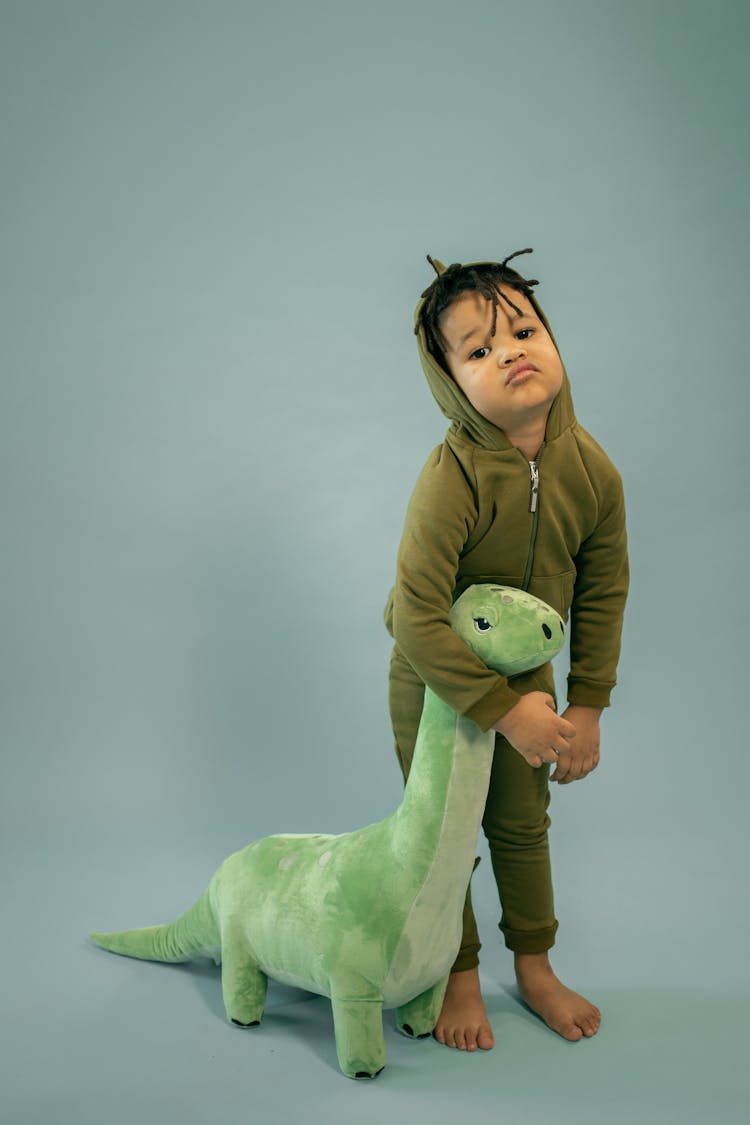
(214, 224)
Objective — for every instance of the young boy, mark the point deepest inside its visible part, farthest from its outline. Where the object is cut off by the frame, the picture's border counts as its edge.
(520, 494)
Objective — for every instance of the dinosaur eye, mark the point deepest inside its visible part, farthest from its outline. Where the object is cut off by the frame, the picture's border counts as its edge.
(547, 631)
(482, 625)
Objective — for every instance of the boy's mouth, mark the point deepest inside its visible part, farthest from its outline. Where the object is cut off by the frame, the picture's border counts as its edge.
(517, 371)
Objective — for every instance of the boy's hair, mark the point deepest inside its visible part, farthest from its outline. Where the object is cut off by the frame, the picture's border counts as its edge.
(484, 277)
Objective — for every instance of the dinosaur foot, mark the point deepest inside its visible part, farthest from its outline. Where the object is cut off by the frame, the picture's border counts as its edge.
(253, 1023)
(408, 1031)
(364, 1073)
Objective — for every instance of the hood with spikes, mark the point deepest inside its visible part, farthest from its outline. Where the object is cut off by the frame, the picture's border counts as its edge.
(454, 404)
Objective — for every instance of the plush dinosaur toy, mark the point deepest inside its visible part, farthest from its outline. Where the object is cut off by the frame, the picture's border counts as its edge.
(371, 918)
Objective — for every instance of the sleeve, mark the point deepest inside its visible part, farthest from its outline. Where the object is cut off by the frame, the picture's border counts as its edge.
(441, 514)
(599, 602)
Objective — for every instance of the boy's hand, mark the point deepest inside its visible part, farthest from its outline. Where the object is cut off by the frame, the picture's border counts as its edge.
(583, 755)
(535, 730)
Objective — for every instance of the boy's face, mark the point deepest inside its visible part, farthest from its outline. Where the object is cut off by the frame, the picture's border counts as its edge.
(511, 378)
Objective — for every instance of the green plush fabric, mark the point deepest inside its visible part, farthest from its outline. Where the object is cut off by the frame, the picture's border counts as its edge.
(370, 918)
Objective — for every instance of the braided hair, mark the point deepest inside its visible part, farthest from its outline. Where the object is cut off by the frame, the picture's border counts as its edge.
(485, 278)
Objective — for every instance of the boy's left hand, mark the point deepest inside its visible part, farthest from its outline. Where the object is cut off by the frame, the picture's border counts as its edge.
(583, 755)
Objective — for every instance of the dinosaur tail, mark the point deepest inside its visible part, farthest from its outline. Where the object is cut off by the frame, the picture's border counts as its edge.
(193, 934)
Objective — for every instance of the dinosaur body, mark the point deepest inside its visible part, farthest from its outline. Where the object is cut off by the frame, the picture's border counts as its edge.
(370, 918)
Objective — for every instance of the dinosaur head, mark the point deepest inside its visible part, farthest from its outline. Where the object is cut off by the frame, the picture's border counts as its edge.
(510, 630)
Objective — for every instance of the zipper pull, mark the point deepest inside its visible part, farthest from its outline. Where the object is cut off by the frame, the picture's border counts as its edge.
(534, 486)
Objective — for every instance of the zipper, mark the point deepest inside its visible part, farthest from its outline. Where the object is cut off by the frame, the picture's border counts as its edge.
(534, 509)
(534, 486)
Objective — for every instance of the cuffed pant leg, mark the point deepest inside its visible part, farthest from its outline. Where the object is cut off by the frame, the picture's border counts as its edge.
(405, 701)
(468, 954)
(515, 823)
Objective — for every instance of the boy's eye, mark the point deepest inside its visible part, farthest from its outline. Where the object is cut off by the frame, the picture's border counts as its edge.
(524, 333)
(475, 354)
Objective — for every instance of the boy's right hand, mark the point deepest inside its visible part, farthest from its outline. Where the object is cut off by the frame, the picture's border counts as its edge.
(535, 730)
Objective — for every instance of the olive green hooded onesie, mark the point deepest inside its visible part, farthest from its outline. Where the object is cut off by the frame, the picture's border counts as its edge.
(481, 512)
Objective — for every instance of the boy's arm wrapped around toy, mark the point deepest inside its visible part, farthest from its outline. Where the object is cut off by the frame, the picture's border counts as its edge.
(441, 515)
(440, 518)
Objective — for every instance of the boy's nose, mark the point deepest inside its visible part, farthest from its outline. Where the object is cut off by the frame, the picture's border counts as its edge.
(510, 356)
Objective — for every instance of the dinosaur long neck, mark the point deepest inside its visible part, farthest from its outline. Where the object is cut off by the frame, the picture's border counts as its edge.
(437, 823)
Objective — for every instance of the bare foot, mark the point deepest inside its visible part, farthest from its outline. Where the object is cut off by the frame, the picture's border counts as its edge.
(463, 1021)
(567, 1013)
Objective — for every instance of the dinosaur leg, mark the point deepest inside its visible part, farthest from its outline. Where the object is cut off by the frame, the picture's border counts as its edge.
(360, 1046)
(243, 984)
(418, 1017)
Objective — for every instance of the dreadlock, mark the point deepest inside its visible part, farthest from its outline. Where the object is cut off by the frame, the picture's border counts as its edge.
(485, 278)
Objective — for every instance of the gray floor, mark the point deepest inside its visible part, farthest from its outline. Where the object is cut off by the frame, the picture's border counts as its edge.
(90, 1037)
